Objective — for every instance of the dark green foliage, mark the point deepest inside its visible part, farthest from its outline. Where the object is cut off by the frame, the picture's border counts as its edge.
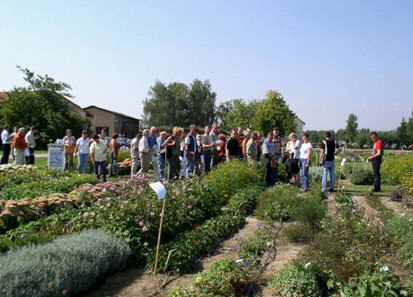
(64, 267)
(11, 242)
(310, 210)
(297, 280)
(298, 232)
(277, 203)
(362, 177)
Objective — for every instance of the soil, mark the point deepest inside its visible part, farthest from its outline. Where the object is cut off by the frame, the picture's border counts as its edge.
(140, 282)
(398, 207)
(370, 212)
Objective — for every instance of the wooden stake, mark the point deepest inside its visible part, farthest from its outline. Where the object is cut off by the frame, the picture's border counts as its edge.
(159, 236)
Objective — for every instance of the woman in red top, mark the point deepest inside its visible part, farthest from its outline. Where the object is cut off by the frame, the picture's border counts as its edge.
(222, 145)
(375, 159)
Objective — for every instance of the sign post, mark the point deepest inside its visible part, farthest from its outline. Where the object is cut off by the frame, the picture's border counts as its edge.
(56, 157)
(160, 191)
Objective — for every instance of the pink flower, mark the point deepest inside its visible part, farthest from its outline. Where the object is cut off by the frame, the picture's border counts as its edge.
(140, 223)
(144, 229)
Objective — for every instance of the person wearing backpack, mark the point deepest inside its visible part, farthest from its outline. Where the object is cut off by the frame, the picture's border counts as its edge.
(329, 148)
(375, 159)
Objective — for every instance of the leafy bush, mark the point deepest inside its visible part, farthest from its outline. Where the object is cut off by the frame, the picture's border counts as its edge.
(227, 178)
(298, 232)
(397, 167)
(297, 280)
(188, 246)
(310, 210)
(277, 203)
(12, 179)
(36, 188)
(370, 284)
(362, 177)
(64, 267)
(251, 249)
(7, 243)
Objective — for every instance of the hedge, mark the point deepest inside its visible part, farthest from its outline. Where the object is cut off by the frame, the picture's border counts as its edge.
(65, 267)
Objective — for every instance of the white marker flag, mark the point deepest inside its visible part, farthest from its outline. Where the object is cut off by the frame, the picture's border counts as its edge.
(159, 189)
(343, 162)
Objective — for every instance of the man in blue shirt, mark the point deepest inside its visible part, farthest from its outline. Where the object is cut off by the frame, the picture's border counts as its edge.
(162, 154)
(154, 151)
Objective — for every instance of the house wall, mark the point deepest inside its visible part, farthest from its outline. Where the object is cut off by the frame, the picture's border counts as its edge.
(103, 119)
(299, 126)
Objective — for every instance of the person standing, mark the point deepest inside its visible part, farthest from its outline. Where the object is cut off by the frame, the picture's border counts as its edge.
(276, 138)
(247, 136)
(190, 151)
(114, 147)
(293, 149)
(207, 147)
(329, 148)
(69, 144)
(251, 149)
(162, 154)
(269, 159)
(173, 144)
(134, 152)
(12, 135)
(31, 144)
(145, 153)
(19, 146)
(215, 139)
(222, 146)
(104, 136)
(376, 159)
(232, 149)
(154, 151)
(199, 156)
(98, 153)
(259, 147)
(5, 138)
(305, 159)
(82, 151)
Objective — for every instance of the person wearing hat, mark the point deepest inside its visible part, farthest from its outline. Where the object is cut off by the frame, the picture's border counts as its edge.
(82, 151)
(69, 144)
(19, 145)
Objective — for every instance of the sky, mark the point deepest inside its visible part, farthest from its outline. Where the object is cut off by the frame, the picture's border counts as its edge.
(327, 58)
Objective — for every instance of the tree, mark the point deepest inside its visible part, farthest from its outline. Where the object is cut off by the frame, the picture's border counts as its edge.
(409, 130)
(180, 105)
(351, 128)
(402, 133)
(41, 104)
(363, 137)
(272, 112)
(236, 112)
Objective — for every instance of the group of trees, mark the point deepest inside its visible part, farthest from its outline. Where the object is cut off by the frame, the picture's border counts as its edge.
(177, 104)
(41, 104)
(402, 136)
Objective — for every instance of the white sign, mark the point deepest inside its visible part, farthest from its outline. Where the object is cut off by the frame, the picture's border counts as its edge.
(56, 158)
(159, 189)
(343, 162)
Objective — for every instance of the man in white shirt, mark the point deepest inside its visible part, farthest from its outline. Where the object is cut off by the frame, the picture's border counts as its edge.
(82, 150)
(190, 151)
(134, 153)
(29, 138)
(207, 146)
(145, 152)
(5, 138)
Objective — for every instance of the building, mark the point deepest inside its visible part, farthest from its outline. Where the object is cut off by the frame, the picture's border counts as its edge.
(299, 126)
(115, 122)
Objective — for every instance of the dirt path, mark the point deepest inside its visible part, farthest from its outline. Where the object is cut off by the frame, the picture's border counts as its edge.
(141, 282)
(370, 212)
(399, 208)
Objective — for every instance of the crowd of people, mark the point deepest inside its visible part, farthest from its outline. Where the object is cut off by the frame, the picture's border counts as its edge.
(186, 153)
(20, 144)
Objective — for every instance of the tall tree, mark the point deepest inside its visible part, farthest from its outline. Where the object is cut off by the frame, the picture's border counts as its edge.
(409, 129)
(236, 112)
(402, 133)
(351, 127)
(41, 104)
(179, 104)
(272, 112)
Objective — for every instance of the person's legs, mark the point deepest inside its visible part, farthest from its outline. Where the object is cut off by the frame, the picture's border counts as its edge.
(85, 161)
(6, 154)
(190, 163)
(66, 161)
(332, 177)
(103, 170)
(277, 158)
(302, 168)
(20, 158)
(134, 168)
(324, 179)
(377, 178)
(70, 158)
(207, 156)
(161, 166)
(79, 163)
(154, 161)
(31, 157)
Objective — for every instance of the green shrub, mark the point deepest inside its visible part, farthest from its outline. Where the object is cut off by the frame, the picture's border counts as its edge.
(64, 267)
(298, 232)
(362, 177)
(229, 177)
(251, 249)
(277, 203)
(310, 210)
(7, 243)
(297, 280)
(371, 284)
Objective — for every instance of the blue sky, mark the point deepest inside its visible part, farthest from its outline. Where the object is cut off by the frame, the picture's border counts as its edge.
(328, 58)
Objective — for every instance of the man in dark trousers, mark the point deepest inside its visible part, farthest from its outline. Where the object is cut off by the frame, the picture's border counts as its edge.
(5, 138)
(375, 159)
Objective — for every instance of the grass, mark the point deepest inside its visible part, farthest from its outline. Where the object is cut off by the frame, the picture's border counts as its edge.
(386, 190)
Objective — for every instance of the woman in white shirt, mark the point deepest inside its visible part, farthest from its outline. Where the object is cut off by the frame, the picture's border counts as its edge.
(305, 159)
(82, 150)
(293, 149)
